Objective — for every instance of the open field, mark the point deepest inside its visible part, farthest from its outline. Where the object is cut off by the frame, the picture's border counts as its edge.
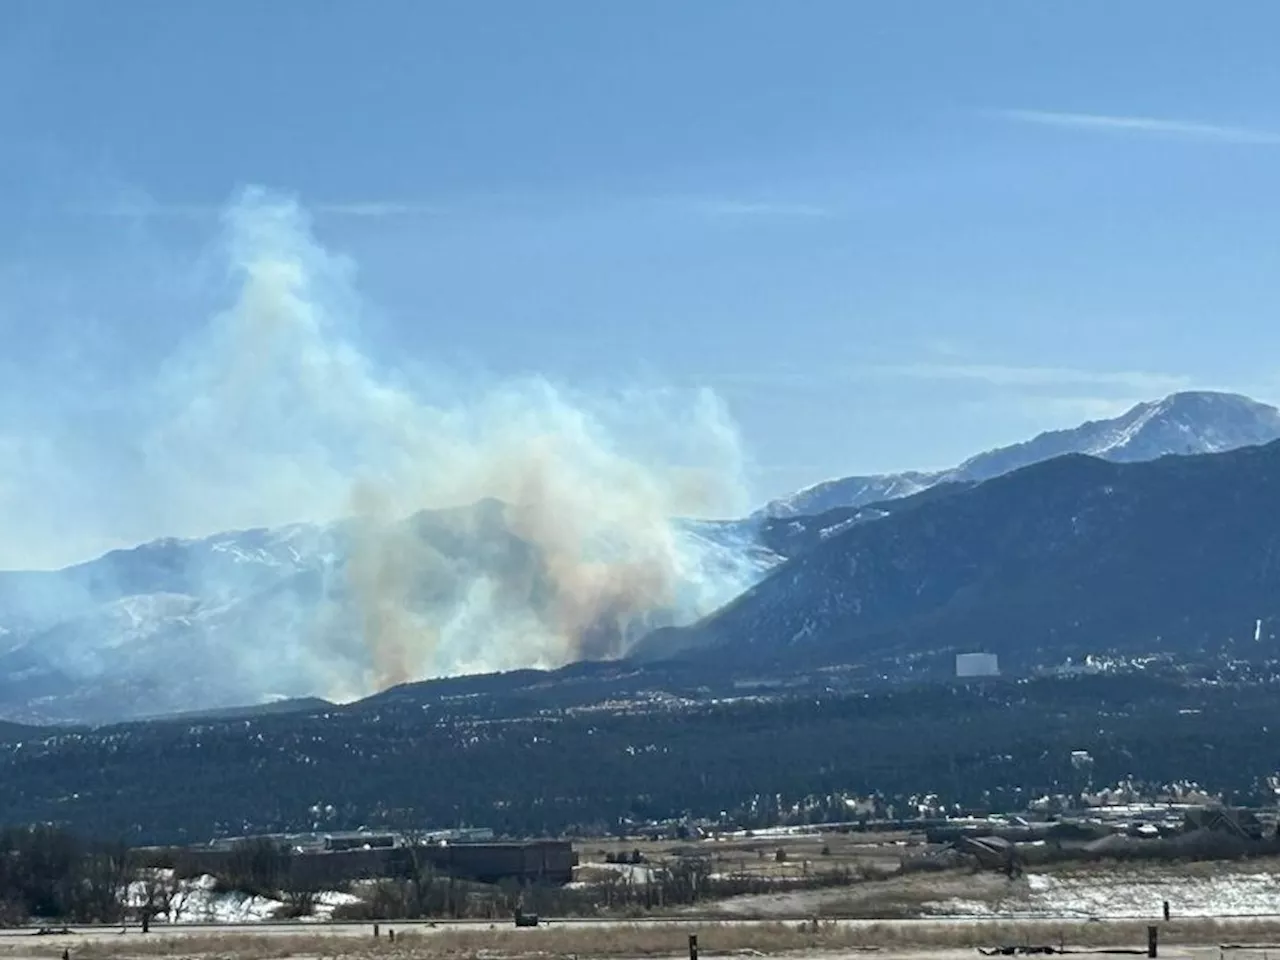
(803, 854)
(906, 897)
(877, 889)
(897, 939)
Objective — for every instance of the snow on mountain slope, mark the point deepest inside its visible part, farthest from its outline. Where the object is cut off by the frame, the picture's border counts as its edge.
(1182, 423)
(245, 617)
(169, 626)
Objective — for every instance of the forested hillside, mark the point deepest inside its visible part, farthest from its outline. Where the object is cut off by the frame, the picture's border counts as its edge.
(530, 771)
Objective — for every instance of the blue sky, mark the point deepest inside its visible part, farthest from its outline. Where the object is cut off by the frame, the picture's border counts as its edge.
(888, 235)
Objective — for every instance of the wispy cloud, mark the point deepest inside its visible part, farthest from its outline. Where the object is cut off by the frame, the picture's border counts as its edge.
(761, 208)
(1145, 126)
(1004, 375)
(1072, 410)
(1078, 386)
(135, 205)
(375, 208)
(145, 209)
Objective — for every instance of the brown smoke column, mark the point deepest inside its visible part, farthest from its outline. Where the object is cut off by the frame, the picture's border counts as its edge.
(385, 563)
(591, 600)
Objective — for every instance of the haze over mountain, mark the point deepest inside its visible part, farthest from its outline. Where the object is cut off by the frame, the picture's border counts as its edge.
(259, 615)
(1183, 423)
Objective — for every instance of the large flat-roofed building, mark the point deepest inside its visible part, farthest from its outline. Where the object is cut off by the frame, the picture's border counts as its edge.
(367, 855)
(546, 861)
(977, 665)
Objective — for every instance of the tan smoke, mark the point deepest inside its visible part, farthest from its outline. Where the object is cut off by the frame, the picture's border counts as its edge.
(593, 597)
(603, 556)
(382, 566)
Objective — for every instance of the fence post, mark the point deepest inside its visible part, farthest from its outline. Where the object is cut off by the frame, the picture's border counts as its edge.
(1152, 932)
(693, 946)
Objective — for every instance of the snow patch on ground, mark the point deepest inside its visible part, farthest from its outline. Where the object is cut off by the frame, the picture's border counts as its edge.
(1127, 895)
(197, 901)
(329, 900)
(637, 873)
(200, 901)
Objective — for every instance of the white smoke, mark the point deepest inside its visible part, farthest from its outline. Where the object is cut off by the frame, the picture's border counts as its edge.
(272, 414)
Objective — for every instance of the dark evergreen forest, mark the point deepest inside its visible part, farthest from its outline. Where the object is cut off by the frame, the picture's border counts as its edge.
(526, 768)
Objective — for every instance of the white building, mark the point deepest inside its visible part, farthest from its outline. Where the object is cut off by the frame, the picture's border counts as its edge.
(977, 665)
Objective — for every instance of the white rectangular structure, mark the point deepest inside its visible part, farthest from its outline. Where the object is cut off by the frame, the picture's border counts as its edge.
(977, 665)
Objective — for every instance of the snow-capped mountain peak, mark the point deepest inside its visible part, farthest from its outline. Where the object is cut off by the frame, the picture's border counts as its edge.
(1184, 423)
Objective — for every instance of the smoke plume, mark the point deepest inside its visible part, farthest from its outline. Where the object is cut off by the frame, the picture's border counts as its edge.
(549, 531)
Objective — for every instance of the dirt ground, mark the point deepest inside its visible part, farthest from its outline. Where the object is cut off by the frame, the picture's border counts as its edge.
(895, 898)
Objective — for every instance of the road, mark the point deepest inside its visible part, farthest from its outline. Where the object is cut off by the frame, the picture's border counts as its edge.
(269, 928)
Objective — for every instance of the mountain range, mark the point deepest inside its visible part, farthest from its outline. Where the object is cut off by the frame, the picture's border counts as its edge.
(1067, 558)
(1067, 543)
(1191, 422)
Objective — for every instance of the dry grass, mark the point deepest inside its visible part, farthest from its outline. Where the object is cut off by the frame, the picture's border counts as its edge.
(658, 940)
